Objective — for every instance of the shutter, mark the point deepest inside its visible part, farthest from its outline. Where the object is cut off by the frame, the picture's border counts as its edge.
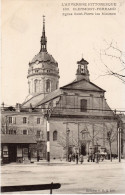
(14, 120)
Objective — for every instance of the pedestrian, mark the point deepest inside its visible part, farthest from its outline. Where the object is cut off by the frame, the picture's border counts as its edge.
(81, 158)
(77, 158)
(73, 157)
(88, 158)
(93, 157)
(29, 155)
(38, 158)
(97, 157)
(70, 157)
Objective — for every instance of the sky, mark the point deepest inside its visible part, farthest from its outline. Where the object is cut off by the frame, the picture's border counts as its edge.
(69, 38)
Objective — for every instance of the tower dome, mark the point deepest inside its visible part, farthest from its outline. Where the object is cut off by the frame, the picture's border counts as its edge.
(43, 72)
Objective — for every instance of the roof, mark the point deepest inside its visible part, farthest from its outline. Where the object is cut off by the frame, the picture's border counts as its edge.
(38, 99)
(43, 57)
(50, 96)
(17, 139)
(82, 61)
(83, 84)
(33, 100)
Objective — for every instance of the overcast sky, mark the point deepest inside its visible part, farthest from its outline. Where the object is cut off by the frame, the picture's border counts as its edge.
(69, 37)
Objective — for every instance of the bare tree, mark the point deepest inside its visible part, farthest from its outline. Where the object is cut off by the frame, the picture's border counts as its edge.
(111, 137)
(94, 134)
(113, 58)
(62, 139)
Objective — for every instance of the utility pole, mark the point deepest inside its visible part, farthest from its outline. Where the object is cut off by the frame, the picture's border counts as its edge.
(48, 141)
(78, 139)
(119, 144)
(119, 137)
(67, 142)
(6, 123)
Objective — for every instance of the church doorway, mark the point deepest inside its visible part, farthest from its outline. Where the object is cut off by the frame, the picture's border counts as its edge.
(83, 149)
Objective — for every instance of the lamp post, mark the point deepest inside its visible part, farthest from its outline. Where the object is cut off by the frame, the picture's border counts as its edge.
(119, 144)
(48, 141)
(97, 152)
(67, 143)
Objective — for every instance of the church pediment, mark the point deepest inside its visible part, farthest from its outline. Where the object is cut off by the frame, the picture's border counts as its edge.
(83, 85)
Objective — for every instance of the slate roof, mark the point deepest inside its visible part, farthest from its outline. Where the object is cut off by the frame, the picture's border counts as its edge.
(33, 100)
(43, 57)
(38, 99)
(50, 96)
(17, 139)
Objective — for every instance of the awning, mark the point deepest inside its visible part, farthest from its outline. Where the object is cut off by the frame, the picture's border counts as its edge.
(15, 139)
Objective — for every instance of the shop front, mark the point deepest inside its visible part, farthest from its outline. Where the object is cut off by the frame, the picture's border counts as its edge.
(15, 148)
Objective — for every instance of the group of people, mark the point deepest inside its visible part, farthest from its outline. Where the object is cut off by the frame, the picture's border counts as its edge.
(75, 157)
(96, 157)
(93, 157)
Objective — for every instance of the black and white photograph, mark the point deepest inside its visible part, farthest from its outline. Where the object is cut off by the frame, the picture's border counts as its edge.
(62, 97)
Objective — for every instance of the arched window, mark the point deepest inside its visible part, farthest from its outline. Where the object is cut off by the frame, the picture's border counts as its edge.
(29, 86)
(48, 83)
(56, 85)
(55, 136)
(36, 86)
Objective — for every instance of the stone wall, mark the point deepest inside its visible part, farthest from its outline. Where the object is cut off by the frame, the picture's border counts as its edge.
(94, 132)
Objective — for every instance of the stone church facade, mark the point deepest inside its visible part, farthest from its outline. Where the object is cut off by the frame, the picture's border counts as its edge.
(79, 117)
(78, 113)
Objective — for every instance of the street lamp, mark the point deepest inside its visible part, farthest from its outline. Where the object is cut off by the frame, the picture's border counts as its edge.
(119, 144)
(67, 143)
(97, 152)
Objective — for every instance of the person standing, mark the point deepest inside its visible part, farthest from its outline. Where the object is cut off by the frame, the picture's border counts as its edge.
(73, 157)
(81, 158)
(70, 157)
(77, 158)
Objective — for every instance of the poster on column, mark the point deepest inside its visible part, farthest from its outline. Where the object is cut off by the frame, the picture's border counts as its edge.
(63, 90)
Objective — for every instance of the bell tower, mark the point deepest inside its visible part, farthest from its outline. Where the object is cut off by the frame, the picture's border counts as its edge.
(82, 70)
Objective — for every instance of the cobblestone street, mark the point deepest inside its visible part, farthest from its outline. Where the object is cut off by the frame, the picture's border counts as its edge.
(105, 177)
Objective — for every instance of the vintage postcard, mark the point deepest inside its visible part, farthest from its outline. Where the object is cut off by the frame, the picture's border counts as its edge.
(63, 97)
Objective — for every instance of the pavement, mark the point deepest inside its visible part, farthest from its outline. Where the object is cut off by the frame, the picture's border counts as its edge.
(57, 162)
(90, 178)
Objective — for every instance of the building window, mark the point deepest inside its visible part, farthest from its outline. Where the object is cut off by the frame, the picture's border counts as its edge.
(57, 85)
(29, 86)
(12, 132)
(25, 132)
(38, 133)
(82, 69)
(24, 120)
(48, 85)
(14, 120)
(38, 120)
(10, 119)
(36, 86)
(83, 105)
(55, 136)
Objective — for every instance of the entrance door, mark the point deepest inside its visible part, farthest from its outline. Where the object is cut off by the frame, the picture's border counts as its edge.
(12, 152)
(83, 149)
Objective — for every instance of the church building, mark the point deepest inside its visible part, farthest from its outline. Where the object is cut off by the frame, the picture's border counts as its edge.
(78, 115)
